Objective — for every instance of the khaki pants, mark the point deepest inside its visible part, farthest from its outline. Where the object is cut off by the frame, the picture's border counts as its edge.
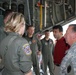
(57, 70)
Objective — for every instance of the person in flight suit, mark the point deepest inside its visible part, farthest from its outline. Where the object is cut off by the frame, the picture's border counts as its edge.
(3, 34)
(35, 45)
(47, 53)
(68, 64)
(6, 17)
(15, 50)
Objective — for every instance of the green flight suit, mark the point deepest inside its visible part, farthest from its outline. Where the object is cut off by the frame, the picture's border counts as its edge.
(35, 45)
(47, 51)
(2, 36)
(2, 33)
(16, 53)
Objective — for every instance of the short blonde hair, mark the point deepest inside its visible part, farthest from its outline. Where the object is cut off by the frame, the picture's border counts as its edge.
(14, 23)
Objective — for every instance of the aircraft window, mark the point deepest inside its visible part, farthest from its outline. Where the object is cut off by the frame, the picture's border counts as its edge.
(14, 7)
(5, 5)
(21, 8)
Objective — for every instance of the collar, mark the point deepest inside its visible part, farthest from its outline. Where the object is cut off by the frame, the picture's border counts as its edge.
(13, 33)
(62, 38)
(74, 45)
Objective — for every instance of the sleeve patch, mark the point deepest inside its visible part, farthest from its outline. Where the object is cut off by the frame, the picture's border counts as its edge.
(26, 49)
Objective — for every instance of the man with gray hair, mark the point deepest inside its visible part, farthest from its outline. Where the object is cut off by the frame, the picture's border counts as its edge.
(68, 64)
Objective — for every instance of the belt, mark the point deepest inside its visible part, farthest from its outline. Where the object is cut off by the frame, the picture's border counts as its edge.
(57, 64)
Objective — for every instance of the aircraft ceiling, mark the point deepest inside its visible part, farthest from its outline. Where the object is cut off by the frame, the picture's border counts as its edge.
(46, 15)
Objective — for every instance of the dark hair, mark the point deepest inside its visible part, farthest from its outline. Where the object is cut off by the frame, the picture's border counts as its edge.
(58, 27)
(74, 27)
(29, 26)
(7, 12)
(47, 31)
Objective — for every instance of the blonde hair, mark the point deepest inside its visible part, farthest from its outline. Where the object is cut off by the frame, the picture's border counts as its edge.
(15, 22)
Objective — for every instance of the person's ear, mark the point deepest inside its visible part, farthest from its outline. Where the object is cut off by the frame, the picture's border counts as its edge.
(62, 33)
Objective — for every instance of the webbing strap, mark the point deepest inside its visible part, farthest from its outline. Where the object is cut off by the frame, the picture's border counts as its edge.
(9, 43)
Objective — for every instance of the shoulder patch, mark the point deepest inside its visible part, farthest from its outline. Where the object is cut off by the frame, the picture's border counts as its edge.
(26, 49)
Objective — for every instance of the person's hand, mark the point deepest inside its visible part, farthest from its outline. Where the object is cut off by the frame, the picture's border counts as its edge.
(39, 53)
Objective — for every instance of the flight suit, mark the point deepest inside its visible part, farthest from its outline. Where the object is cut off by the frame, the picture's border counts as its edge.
(47, 51)
(35, 45)
(16, 53)
(68, 64)
(2, 36)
